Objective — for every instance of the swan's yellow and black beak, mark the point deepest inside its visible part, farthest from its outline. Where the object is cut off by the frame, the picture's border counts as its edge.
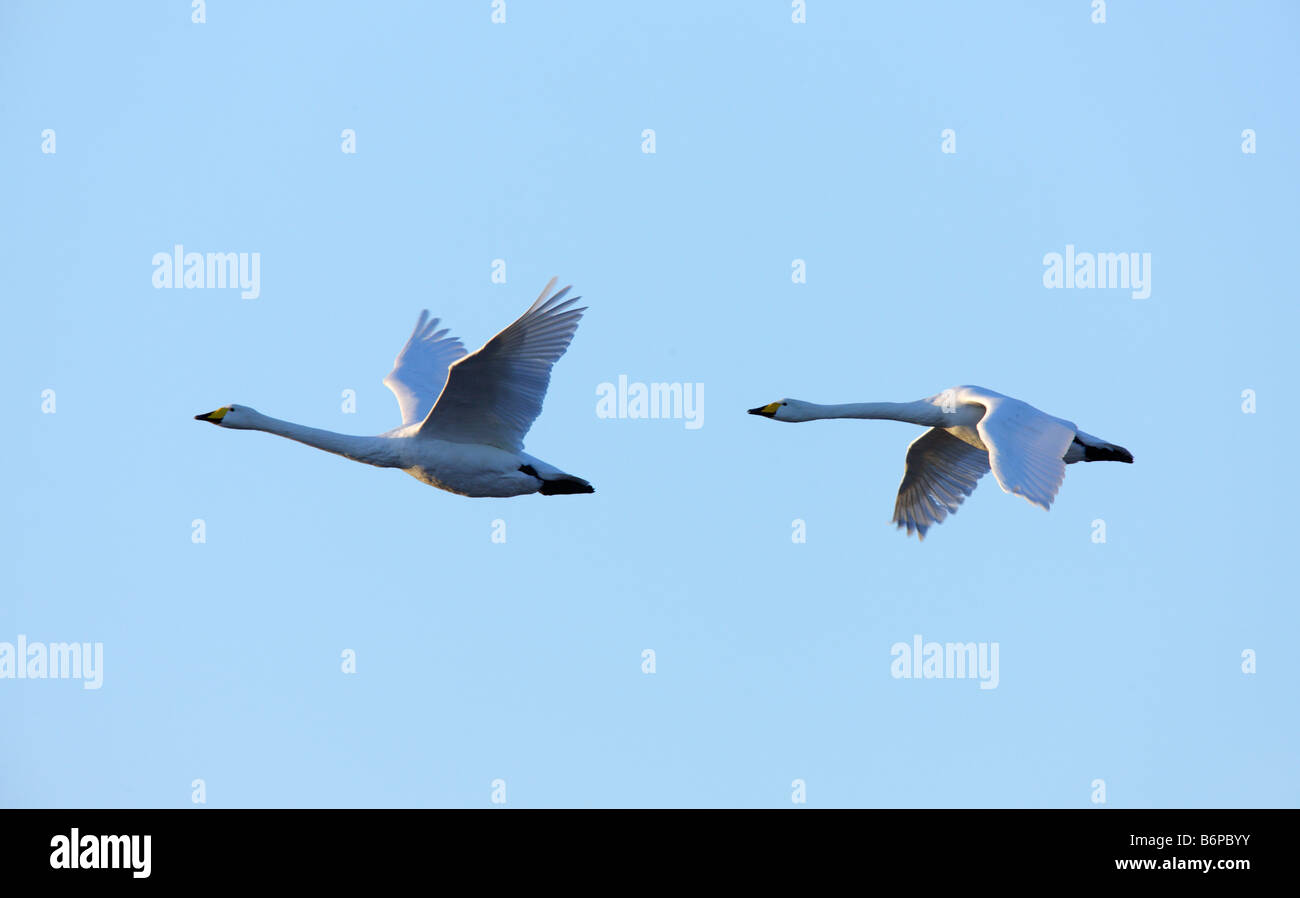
(214, 417)
(767, 411)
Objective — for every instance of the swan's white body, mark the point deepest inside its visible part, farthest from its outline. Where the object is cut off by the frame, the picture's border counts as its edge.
(464, 417)
(972, 430)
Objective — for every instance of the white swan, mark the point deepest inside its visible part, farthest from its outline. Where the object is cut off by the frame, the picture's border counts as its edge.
(463, 416)
(971, 430)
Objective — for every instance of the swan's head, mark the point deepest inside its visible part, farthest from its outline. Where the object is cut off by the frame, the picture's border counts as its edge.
(785, 410)
(240, 417)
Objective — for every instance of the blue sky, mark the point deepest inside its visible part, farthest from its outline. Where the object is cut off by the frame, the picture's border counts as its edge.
(522, 661)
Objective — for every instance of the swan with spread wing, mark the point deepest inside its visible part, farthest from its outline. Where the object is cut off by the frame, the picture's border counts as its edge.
(972, 430)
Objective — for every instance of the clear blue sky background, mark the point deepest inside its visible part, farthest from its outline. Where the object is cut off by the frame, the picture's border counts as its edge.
(522, 661)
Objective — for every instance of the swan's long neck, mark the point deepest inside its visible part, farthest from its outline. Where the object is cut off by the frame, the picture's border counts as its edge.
(377, 451)
(919, 412)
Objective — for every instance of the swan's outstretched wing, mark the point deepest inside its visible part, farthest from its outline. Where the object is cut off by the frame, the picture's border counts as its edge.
(941, 472)
(494, 395)
(421, 367)
(1025, 447)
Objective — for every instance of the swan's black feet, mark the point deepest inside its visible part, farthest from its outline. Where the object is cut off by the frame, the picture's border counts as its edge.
(561, 486)
(566, 487)
(1100, 453)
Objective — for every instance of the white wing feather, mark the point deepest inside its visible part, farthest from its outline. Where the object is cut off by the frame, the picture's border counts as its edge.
(493, 395)
(941, 472)
(1026, 447)
(420, 369)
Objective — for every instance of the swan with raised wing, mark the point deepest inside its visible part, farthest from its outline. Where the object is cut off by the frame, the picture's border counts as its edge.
(464, 416)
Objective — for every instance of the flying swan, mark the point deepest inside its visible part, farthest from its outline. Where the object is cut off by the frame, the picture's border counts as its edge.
(463, 416)
(971, 430)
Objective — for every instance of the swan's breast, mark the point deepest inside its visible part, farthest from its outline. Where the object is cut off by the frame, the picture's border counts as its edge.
(969, 435)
